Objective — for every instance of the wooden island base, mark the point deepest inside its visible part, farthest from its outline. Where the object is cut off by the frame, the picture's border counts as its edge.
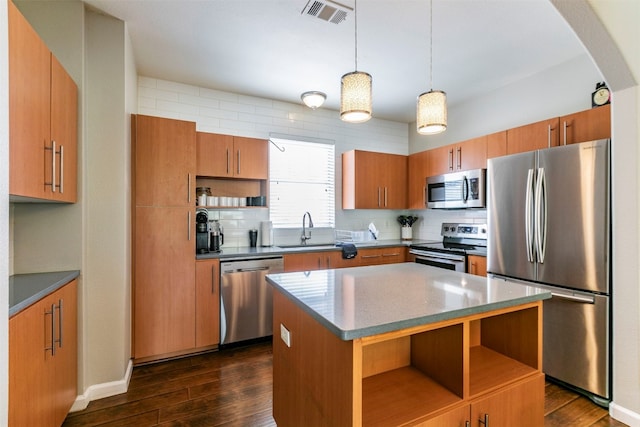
(458, 372)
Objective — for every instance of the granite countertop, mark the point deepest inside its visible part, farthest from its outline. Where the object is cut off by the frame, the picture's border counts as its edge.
(247, 252)
(26, 289)
(364, 301)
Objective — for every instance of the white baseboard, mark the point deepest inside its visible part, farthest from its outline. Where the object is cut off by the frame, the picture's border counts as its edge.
(99, 391)
(624, 415)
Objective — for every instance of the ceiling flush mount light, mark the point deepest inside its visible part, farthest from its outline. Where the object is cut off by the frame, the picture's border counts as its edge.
(355, 89)
(431, 115)
(313, 99)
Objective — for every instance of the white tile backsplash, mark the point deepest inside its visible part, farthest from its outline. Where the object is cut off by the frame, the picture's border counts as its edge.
(241, 115)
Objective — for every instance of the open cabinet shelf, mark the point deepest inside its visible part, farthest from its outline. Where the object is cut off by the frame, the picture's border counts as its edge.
(401, 396)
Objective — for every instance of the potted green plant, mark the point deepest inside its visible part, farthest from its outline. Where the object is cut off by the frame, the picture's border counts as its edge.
(406, 221)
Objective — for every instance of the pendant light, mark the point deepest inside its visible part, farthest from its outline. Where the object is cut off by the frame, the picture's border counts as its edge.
(355, 89)
(432, 105)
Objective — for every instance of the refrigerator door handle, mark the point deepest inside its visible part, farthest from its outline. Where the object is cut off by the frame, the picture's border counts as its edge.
(575, 298)
(541, 215)
(527, 216)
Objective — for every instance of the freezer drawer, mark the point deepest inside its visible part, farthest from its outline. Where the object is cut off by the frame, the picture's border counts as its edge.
(576, 340)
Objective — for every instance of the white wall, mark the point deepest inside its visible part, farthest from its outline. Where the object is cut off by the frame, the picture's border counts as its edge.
(232, 114)
(616, 50)
(92, 235)
(4, 215)
(106, 266)
(563, 89)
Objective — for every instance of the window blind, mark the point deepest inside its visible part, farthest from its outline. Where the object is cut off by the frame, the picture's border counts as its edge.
(301, 179)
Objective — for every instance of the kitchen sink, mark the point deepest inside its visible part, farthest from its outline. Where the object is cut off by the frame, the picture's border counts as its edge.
(312, 246)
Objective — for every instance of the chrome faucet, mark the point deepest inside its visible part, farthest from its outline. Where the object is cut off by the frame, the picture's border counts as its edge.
(304, 237)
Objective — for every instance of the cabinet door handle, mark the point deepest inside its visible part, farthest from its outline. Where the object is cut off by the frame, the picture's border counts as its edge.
(565, 125)
(189, 188)
(393, 254)
(549, 136)
(378, 196)
(451, 159)
(61, 169)
(213, 279)
(53, 330)
(53, 166)
(484, 421)
(228, 165)
(370, 256)
(385, 197)
(238, 165)
(459, 157)
(59, 340)
(467, 424)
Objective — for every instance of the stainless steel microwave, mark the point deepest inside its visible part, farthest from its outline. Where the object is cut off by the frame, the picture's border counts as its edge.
(457, 190)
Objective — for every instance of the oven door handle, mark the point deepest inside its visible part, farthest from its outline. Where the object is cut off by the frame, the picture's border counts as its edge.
(437, 255)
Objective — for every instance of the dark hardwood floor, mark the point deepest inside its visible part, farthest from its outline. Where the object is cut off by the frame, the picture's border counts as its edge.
(232, 387)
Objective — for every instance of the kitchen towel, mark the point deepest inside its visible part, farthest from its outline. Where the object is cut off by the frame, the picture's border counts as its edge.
(349, 251)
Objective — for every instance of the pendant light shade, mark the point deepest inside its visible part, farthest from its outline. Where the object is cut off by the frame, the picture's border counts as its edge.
(355, 97)
(432, 112)
(355, 87)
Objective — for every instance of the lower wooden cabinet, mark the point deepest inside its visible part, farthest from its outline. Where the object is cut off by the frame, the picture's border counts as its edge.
(207, 303)
(43, 354)
(519, 405)
(164, 282)
(307, 261)
(477, 265)
(375, 256)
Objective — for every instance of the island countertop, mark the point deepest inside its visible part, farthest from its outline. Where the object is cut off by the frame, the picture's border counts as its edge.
(364, 301)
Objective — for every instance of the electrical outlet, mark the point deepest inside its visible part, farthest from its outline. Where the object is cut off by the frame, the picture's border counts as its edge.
(285, 335)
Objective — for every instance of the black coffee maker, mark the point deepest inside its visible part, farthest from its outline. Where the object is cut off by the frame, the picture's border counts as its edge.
(202, 231)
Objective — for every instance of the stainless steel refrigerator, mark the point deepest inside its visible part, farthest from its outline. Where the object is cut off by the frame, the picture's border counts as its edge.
(548, 213)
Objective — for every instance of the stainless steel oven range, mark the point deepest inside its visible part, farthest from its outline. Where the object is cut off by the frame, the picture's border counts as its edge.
(458, 241)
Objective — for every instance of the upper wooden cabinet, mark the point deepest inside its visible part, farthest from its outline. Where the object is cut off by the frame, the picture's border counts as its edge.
(534, 136)
(43, 118)
(418, 172)
(232, 156)
(497, 144)
(465, 155)
(587, 125)
(164, 161)
(373, 180)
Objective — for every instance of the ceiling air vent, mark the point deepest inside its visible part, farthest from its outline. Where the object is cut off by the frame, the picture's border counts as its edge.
(326, 10)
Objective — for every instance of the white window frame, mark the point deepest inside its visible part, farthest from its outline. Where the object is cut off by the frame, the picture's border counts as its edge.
(317, 179)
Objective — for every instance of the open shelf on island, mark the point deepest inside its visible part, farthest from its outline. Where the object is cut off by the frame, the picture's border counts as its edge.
(401, 396)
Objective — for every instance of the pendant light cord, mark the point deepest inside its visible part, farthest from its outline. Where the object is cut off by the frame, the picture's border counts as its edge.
(431, 45)
(355, 13)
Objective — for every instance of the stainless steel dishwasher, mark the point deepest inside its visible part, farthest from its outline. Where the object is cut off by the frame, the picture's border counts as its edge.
(246, 310)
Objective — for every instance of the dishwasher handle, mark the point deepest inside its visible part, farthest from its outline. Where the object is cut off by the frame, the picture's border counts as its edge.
(245, 270)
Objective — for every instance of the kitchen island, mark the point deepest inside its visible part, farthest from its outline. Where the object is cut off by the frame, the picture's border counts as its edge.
(405, 344)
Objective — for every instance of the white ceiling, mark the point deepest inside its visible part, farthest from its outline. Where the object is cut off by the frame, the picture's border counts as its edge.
(270, 49)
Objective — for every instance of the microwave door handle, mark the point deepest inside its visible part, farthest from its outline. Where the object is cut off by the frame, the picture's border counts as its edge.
(465, 189)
